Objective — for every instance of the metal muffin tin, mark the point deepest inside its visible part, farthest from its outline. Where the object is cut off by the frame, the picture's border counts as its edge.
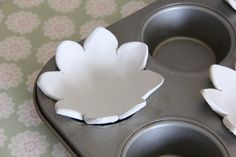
(174, 137)
(184, 37)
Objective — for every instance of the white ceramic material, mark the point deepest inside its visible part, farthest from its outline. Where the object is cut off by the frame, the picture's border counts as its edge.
(99, 83)
(232, 3)
(223, 99)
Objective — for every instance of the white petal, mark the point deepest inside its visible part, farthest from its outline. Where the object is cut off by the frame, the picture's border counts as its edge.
(223, 78)
(103, 120)
(69, 55)
(133, 55)
(232, 3)
(63, 107)
(230, 123)
(216, 100)
(133, 110)
(91, 114)
(52, 84)
(101, 42)
(144, 83)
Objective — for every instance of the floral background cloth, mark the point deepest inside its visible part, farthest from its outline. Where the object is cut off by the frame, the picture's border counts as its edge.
(30, 30)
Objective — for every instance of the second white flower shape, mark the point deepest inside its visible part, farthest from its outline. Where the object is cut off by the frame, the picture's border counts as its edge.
(222, 99)
(99, 83)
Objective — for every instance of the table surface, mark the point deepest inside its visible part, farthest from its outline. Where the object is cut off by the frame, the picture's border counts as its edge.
(30, 31)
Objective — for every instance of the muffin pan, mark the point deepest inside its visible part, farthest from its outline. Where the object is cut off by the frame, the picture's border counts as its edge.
(184, 37)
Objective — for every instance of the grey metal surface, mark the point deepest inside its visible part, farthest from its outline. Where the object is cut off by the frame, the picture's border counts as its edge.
(187, 35)
(173, 137)
(209, 26)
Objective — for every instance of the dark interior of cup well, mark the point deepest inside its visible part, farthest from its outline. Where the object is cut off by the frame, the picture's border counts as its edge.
(173, 139)
(187, 37)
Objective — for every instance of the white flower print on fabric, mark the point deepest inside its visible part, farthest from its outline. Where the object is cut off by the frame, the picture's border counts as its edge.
(3, 137)
(28, 3)
(31, 80)
(1, 16)
(131, 7)
(28, 115)
(46, 52)
(100, 8)
(59, 27)
(22, 22)
(60, 151)
(90, 26)
(28, 144)
(10, 76)
(64, 6)
(6, 106)
(15, 48)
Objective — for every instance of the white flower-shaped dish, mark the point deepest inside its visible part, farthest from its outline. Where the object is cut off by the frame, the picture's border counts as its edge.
(222, 99)
(232, 3)
(99, 83)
